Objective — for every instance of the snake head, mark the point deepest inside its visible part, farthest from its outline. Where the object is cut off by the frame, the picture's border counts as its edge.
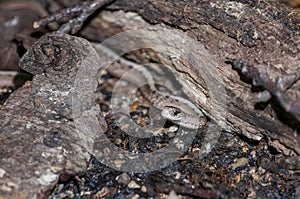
(182, 118)
(171, 113)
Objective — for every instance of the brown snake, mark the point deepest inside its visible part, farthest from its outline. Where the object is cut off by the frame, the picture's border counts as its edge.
(174, 108)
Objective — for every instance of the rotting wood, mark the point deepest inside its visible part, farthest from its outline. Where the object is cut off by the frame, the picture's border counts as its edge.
(41, 142)
(241, 114)
(261, 33)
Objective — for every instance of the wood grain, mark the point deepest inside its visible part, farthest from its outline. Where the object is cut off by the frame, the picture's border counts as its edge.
(260, 33)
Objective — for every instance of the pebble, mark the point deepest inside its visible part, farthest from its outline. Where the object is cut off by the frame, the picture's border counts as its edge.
(123, 178)
(133, 185)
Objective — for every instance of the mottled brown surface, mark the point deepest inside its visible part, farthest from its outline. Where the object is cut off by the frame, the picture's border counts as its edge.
(261, 33)
(40, 142)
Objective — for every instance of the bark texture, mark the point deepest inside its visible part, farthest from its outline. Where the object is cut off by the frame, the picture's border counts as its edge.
(40, 143)
(262, 33)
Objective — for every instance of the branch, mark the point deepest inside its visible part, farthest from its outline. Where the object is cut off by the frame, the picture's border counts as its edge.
(276, 89)
(82, 11)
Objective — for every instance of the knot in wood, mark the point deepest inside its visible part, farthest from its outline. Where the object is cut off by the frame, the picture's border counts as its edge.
(53, 54)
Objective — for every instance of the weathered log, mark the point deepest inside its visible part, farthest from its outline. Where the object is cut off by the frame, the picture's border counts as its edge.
(207, 35)
(40, 143)
(262, 33)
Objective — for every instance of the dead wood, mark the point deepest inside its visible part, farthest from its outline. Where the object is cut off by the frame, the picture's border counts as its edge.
(40, 143)
(261, 33)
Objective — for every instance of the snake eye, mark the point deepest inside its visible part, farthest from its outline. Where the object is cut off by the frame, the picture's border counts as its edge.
(176, 112)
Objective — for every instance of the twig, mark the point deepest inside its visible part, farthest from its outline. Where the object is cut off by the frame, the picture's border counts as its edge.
(82, 11)
(276, 89)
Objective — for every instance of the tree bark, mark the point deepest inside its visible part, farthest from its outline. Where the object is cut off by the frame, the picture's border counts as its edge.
(262, 33)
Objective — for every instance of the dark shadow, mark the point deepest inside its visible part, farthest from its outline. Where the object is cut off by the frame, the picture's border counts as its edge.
(22, 77)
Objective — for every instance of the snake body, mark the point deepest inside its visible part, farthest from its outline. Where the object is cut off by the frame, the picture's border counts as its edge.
(174, 108)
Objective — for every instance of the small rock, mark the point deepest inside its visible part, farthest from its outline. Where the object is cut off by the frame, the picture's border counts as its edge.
(124, 178)
(133, 185)
(239, 162)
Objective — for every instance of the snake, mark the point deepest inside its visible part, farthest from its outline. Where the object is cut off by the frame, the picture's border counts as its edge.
(176, 109)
